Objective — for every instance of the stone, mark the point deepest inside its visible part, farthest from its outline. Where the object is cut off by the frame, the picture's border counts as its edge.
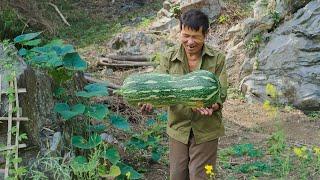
(291, 62)
(211, 7)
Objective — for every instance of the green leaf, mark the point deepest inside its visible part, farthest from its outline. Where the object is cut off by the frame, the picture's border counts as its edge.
(114, 171)
(92, 90)
(26, 37)
(96, 111)
(80, 142)
(128, 169)
(66, 112)
(22, 52)
(137, 143)
(61, 75)
(73, 61)
(163, 117)
(112, 155)
(63, 49)
(150, 122)
(96, 128)
(119, 122)
(80, 164)
(155, 154)
(59, 91)
(34, 42)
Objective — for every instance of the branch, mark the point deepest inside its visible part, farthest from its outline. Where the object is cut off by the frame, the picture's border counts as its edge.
(112, 63)
(128, 58)
(109, 84)
(60, 14)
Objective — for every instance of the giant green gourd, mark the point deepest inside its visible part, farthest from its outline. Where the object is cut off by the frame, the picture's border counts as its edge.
(196, 89)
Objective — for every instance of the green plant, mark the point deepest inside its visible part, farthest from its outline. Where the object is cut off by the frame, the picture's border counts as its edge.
(62, 62)
(223, 19)
(254, 43)
(149, 139)
(276, 17)
(314, 115)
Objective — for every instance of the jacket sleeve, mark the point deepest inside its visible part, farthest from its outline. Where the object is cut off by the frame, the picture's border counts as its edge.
(222, 74)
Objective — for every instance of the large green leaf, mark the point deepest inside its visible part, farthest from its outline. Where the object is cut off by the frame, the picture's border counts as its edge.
(156, 154)
(92, 90)
(73, 61)
(96, 111)
(137, 143)
(66, 112)
(96, 128)
(80, 142)
(63, 49)
(22, 52)
(150, 122)
(80, 164)
(119, 122)
(33, 42)
(114, 171)
(125, 169)
(26, 37)
(112, 155)
(57, 92)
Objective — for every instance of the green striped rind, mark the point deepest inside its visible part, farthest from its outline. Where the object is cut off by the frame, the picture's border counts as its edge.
(196, 89)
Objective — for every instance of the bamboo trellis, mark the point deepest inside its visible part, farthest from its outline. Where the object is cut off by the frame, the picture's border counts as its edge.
(12, 106)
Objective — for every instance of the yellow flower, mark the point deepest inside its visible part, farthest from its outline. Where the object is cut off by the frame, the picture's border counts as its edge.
(268, 107)
(271, 90)
(209, 169)
(316, 151)
(300, 152)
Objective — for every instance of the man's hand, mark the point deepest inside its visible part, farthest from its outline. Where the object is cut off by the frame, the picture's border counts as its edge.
(207, 111)
(145, 108)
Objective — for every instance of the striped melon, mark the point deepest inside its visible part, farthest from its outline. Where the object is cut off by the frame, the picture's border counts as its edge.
(196, 89)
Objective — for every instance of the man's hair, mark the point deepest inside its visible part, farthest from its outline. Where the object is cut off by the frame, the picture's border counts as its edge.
(195, 19)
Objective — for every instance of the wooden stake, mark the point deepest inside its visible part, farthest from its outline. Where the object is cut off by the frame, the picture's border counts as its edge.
(6, 173)
(60, 14)
(17, 123)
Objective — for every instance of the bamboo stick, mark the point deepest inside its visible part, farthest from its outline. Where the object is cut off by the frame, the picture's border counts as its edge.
(17, 123)
(6, 173)
(14, 119)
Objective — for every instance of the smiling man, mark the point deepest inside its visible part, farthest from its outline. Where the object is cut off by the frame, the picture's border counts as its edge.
(194, 133)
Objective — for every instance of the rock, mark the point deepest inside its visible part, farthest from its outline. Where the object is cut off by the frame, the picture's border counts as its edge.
(55, 141)
(211, 7)
(291, 62)
(138, 43)
(164, 24)
(108, 138)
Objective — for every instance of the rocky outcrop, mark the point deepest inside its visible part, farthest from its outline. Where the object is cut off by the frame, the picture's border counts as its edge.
(290, 61)
(211, 7)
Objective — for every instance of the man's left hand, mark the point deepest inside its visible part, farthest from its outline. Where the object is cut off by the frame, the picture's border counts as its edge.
(207, 111)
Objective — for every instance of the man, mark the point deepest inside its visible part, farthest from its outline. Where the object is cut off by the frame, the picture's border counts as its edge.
(193, 133)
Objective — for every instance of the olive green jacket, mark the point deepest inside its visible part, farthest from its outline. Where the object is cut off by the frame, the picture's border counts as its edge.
(182, 119)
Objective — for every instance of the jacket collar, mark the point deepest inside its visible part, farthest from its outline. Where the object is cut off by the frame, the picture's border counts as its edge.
(180, 53)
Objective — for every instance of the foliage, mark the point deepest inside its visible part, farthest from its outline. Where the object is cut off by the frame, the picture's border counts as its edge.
(223, 19)
(61, 62)
(49, 167)
(10, 23)
(254, 43)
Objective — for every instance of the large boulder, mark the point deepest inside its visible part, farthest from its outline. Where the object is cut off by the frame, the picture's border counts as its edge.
(211, 7)
(290, 61)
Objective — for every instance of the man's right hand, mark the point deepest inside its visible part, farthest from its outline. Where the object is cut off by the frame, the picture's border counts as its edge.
(146, 108)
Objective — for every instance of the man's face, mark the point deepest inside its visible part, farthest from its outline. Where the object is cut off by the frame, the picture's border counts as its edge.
(192, 40)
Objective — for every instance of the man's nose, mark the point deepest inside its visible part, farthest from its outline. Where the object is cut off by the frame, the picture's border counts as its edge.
(190, 41)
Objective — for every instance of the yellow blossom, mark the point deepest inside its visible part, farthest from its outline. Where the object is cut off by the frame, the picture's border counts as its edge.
(316, 151)
(300, 152)
(271, 90)
(209, 170)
